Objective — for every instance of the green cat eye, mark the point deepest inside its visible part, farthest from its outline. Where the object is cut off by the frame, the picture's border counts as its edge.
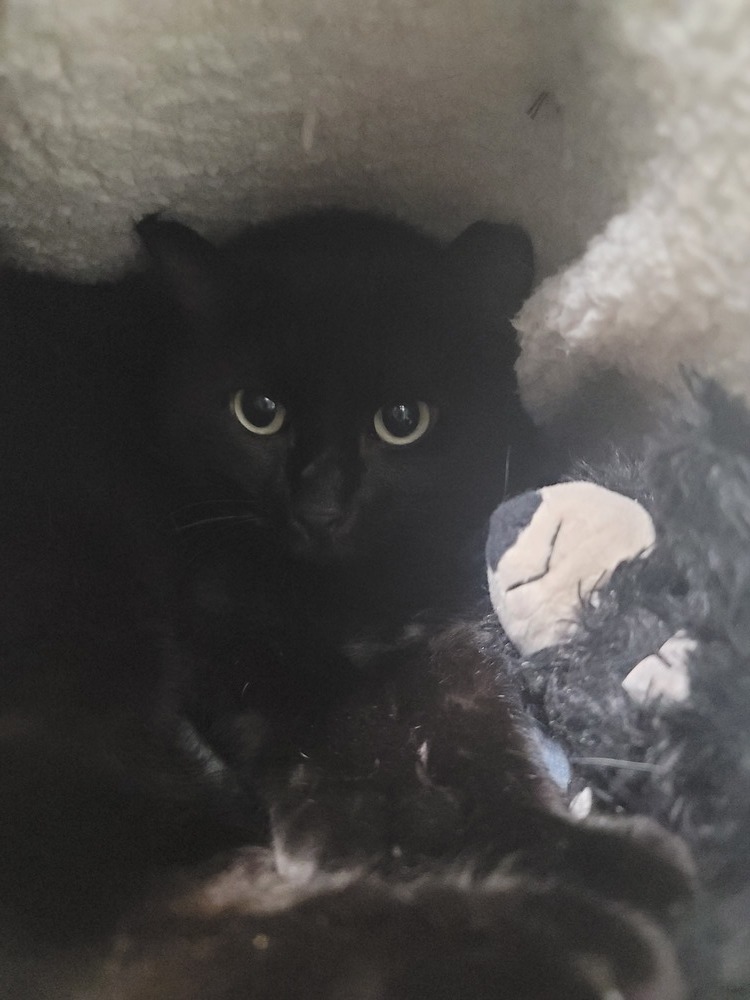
(257, 413)
(403, 423)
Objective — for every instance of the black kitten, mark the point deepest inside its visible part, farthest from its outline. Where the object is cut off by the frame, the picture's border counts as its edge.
(344, 388)
(242, 538)
(95, 685)
(347, 383)
(344, 404)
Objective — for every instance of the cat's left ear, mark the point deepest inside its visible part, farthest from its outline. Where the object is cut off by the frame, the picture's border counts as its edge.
(496, 262)
(185, 263)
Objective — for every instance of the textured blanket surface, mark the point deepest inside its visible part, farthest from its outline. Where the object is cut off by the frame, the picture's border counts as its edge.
(626, 125)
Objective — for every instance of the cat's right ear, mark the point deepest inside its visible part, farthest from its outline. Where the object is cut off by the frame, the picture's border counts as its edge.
(186, 264)
(496, 261)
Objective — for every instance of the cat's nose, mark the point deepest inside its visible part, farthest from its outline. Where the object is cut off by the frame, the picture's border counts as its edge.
(318, 517)
(317, 505)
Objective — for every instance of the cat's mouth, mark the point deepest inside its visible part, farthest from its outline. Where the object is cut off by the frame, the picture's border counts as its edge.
(322, 542)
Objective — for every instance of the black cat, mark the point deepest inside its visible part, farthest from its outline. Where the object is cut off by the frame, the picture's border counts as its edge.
(344, 416)
(345, 395)
(242, 533)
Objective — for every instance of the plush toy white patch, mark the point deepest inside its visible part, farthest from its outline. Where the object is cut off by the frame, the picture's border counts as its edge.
(549, 549)
(664, 674)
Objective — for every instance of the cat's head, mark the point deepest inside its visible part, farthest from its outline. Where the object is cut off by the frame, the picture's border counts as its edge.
(348, 376)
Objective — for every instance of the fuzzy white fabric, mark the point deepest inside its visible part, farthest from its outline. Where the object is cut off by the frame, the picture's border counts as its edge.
(667, 282)
(624, 123)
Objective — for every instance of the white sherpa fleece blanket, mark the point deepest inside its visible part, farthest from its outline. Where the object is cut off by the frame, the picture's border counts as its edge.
(617, 133)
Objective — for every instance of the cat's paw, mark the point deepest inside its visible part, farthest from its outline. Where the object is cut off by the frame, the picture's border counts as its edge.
(632, 860)
(329, 822)
(325, 823)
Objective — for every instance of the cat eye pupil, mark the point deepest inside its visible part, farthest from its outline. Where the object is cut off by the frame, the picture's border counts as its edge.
(260, 410)
(402, 419)
(403, 423)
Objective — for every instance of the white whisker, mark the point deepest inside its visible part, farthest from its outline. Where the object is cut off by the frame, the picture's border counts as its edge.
(206, 503)
(218, 520)
(624, 765)
(507, 472)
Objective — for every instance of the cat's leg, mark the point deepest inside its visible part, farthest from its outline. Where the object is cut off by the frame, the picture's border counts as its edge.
(245, 931)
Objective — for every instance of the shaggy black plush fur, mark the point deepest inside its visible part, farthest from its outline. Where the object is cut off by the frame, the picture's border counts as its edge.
(686, 764)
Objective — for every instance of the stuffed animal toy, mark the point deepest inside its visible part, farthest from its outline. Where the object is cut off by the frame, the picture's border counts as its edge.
(627, 598)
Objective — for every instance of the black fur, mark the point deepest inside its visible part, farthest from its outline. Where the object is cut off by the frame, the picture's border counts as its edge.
(196, 621)
(307, 602)
(95, 785)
